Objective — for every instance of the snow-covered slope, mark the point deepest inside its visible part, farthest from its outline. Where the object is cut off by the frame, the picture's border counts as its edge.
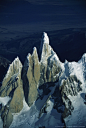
(52, 93)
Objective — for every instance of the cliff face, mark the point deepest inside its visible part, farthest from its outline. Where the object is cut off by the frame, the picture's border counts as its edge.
(31, 76)
(37, 73)
(41, 81)
(71, 86)
(12, 86)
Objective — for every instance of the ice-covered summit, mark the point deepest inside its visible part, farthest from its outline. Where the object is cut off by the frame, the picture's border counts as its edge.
(45, 38)
(44, 42)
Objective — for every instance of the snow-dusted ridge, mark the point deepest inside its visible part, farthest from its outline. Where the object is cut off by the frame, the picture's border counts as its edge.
(44, 93)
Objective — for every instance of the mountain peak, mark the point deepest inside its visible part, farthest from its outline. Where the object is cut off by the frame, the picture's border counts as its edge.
(48, 86)
(45, 38)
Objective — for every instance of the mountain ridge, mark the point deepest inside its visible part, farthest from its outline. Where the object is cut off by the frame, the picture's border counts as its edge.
(42, 90)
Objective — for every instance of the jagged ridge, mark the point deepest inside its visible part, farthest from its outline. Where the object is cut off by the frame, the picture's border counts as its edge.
(37, 79)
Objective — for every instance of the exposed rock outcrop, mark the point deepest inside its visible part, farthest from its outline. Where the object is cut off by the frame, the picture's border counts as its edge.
(31, 76)
(36, 73)
(50, 64)
(12, 86)
(70, 86)
(6, 116)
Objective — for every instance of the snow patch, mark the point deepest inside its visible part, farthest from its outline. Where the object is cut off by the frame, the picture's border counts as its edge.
(4, 100)
(78, 116)
(50, 106)
(26, 117)
(45, 38)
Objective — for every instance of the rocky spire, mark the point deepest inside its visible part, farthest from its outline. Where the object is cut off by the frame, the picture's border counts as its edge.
(12, 87)
(50, 64)
(31, 76)
(36, 73)
(44, 40)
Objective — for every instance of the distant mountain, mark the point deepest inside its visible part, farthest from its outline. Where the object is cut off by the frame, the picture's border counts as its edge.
(44, 93)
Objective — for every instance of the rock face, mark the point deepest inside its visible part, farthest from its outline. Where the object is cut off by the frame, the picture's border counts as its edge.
(6, 116)
(71, 86)
(36, 73)
(12, 86)
(31, 75)
(50, 64)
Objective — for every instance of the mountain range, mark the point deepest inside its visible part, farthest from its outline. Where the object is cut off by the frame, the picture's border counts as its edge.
(44, 92)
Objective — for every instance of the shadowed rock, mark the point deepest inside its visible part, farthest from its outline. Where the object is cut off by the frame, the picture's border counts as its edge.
(71, 86)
